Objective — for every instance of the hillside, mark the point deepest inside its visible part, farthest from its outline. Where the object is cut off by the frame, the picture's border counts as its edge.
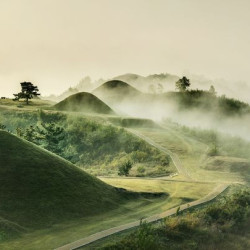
(84, 102)
(117, 89)
(143, 83)
(119, 95)
(206, 101)
(39, 188)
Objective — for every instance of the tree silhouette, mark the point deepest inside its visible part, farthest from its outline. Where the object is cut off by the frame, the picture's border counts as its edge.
(212, 90)
(182, 84)
(28, 92)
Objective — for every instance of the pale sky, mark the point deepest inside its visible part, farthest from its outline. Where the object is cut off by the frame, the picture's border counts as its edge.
(55, 43)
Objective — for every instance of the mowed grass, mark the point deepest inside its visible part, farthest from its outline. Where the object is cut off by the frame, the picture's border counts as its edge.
(178, 191)
(33, 104)
(61, 234)
(192, 154)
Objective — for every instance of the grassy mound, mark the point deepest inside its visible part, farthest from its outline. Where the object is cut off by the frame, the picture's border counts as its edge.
(84, 102)
(116, 89)
(116, 85)
(39, 189)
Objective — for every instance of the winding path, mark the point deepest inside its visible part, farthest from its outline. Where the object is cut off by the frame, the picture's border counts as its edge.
(97, 236)
(174, 157)
(94, 237)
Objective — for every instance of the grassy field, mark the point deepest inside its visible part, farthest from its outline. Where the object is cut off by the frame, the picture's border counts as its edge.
(132, 210)
(178, 190)
(21, 105)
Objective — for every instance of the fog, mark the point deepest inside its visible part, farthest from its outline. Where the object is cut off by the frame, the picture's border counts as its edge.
(208, 112)
(56, 43)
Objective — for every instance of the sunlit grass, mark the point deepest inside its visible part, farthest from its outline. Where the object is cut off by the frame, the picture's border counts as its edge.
(192, 154)
(179, 192)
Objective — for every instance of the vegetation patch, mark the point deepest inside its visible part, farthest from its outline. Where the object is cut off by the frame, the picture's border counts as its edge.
(98, 148)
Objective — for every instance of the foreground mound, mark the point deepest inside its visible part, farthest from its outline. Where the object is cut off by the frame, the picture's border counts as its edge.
(84, 102)
(39, 189)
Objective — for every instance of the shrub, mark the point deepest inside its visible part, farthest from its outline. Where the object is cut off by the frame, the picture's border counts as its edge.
(125, 168)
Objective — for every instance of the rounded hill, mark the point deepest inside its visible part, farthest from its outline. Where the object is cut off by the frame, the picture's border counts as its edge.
(39, 188)
(84, 102)
(117, 86)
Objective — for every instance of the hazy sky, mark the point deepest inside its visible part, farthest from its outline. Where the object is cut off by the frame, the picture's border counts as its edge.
(54, 43)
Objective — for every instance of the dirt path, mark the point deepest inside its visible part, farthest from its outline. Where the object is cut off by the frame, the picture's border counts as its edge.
(94, 237)
(175, 159)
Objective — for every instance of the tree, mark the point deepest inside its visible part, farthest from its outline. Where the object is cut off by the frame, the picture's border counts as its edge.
(182, 84)
(212, 90)
(160, 88)
(125, 168)
(51, 135)
(213, 150)
(28, 92)
(48, 135)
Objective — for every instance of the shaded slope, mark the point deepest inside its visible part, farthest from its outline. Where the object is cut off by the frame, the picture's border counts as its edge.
(84, 102)
(120, 96)
(39, 189)
(116, 90)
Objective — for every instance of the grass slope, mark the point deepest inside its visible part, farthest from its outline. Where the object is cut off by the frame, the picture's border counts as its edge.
(115, 91)
(39, 189)
(205, 101)
(116, 86)
(84, 102)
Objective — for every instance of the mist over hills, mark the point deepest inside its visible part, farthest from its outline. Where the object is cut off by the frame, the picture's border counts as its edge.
(153, 99)
(150, 84)
(115, 91)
